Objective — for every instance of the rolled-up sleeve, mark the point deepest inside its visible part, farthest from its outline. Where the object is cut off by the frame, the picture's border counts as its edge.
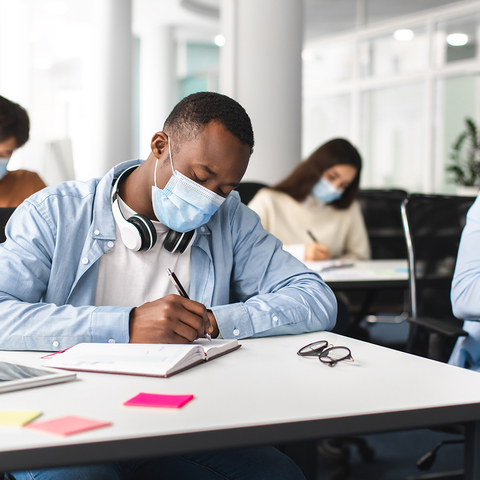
(276, 294)
(39, 265)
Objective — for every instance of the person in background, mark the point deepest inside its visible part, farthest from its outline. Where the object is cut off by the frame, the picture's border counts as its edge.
(318, 201)
(15, 185)
(465, 293)
(87, 262)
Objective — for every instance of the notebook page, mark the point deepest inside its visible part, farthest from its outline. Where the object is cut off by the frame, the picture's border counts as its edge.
(216, 346)
(132, 358)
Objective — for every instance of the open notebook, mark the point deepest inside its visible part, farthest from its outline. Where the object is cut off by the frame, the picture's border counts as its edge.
(154, 360)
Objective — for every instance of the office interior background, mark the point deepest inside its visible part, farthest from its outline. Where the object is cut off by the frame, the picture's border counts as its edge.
(99, 77)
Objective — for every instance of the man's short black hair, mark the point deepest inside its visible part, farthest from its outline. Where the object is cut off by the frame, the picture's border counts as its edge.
(190, 116)
(14, 122)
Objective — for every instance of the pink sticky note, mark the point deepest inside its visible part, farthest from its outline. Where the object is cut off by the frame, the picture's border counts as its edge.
(158, 400)
(67, 425)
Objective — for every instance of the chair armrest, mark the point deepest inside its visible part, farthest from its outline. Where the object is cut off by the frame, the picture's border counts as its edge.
(443, 327)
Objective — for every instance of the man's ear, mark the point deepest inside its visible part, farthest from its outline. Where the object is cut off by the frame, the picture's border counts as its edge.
(159, 143)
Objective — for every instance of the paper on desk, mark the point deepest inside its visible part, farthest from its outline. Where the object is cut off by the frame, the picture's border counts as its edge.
(322, 265)
(158, 400)
(17, 418)
(67, 425)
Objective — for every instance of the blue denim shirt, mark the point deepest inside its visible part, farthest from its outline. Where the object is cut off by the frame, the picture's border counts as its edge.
(465, 293)
(49, 269)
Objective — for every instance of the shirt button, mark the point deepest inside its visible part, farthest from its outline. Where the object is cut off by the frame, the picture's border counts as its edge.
(84, 260)
(275, 318)
(111, 340)
(96, 232)
(55, 344)
(236, 332)
(110, 244)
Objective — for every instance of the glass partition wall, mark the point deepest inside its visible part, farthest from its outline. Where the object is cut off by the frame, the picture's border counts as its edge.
(400, 91)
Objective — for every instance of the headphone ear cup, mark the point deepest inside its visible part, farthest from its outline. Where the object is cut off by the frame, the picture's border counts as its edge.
(146, 231)
(178, 242)
(187, 240)
(129, 233)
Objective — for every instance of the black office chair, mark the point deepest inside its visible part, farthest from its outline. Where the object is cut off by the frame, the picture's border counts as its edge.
(433, 225)
(5, 214)
(248, 190)
(382, 215)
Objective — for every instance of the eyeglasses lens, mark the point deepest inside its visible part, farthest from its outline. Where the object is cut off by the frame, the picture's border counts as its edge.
(333, 355)
(313, 349)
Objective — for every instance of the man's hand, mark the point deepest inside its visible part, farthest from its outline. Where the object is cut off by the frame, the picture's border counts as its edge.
(316, 251)
(171, 319)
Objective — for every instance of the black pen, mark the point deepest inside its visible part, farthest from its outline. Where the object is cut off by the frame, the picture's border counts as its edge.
(181, 291)
(312, 236)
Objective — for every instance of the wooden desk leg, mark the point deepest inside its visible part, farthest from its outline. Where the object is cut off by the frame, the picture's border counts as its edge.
(472, 451)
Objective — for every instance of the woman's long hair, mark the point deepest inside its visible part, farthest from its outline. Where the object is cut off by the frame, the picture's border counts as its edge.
(338, 151)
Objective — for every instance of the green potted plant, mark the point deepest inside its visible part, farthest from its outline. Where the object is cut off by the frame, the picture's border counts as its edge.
(465, 160)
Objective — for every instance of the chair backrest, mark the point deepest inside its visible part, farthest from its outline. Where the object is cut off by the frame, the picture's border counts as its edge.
(433, 225)
(381, 211)
(247, 190)
(5, 214)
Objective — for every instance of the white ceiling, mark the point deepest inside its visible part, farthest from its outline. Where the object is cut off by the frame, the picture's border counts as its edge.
(324, 17)
(199, 19)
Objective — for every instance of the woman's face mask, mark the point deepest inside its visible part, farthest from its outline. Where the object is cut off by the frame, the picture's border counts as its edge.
(3, 166)
(325, 191)
(183, 205)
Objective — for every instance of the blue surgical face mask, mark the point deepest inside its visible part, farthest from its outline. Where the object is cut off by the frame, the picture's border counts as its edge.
(3, 166)
(325, 191)
(183, 204)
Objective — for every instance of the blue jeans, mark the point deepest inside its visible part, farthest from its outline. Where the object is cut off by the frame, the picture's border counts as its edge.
(264, 463)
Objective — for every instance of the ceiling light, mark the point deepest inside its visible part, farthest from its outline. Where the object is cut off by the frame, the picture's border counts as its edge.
(220, 40)
(457, 39)
(403, 35)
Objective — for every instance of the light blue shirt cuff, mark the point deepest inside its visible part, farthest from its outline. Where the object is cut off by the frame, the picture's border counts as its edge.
(111, 324)
(233, 321)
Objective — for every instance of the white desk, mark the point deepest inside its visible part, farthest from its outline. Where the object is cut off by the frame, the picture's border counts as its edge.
(365, 274)
(263, 393)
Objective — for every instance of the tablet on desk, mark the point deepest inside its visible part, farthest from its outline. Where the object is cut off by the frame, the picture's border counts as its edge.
(16, 376)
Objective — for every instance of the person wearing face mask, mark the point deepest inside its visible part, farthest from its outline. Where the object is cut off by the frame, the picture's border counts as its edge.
(319, 197)
(87, 262)
(15, 185)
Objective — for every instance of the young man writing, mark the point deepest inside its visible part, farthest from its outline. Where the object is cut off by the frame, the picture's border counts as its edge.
(86, 262)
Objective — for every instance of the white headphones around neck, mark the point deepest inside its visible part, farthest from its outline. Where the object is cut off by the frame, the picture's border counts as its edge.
(138, 232)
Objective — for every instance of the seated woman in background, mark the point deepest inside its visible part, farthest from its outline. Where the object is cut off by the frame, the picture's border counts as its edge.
(15, 185)
(319, 196)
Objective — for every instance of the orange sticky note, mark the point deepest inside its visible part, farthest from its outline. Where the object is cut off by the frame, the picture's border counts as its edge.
(67, 425)
(158, 400)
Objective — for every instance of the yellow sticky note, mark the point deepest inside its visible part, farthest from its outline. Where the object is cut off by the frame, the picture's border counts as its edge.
(17, 418)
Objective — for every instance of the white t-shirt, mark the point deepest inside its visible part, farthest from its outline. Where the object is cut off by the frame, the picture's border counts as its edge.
(129, 279)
